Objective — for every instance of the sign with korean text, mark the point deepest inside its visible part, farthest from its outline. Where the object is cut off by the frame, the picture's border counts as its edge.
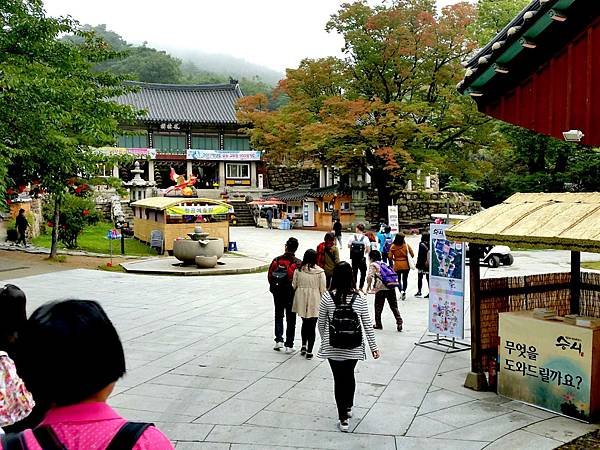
(197, 210)
(224, 155)
(546, 363)
(137, 152)
(393, 219)
(446, 284)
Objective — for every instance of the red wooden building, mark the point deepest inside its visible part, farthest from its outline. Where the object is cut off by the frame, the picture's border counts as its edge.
(542, 72)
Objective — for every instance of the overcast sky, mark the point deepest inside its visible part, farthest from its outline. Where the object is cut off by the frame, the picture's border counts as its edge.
(273, 33)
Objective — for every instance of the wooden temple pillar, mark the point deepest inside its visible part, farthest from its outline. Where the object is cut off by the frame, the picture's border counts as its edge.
(575, 281)
(476, 379)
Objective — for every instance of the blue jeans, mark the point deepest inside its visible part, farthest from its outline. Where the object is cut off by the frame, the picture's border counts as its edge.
(283, 307)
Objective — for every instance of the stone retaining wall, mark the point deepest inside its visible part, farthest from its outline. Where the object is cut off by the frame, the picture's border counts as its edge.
(281, 178)
(418, 206)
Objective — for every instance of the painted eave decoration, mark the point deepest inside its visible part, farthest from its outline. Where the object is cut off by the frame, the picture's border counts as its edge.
(565, 221)
(525, 33)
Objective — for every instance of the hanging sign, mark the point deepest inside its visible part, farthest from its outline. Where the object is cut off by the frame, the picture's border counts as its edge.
(446, 284)
(393, 220)
(197, 210)
(224, 155)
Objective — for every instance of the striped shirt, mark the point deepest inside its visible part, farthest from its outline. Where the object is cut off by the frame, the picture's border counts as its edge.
(326, 309)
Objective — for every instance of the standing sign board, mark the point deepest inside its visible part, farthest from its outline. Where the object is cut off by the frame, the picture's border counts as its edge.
(551, 364)
(393, 218)
(446, 284)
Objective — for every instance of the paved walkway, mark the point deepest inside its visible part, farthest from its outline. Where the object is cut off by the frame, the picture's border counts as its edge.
(201, 366)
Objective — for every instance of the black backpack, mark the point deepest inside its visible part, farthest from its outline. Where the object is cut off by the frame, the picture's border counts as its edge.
(280, 277)
(357, 249)
(125, 439)
(344, 328)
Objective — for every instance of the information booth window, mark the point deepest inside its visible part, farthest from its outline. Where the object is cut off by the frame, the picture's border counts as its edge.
(238, 171)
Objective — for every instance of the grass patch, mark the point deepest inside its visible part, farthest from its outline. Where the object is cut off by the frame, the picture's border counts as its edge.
(113, 268)
(595, 265)
(57, 259)
(93, 239)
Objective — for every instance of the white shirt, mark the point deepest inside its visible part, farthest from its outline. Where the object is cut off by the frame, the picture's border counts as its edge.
(360, 238)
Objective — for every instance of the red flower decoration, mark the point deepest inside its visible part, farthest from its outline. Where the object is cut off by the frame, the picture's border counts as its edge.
(86, 212)
(10, 191)
(50, 224)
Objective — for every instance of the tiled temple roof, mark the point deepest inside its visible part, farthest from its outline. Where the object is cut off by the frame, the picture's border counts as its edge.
(200, 104)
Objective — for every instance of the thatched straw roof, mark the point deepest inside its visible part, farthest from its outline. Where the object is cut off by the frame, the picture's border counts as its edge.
(566, 221)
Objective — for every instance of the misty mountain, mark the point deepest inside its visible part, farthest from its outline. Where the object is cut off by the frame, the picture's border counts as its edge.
(226, 64)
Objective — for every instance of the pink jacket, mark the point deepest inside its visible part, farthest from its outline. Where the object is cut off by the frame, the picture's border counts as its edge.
(87, 426)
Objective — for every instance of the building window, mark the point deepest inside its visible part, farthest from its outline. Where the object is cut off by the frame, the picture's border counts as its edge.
(133, 140)
(238, 170)
(169, 141)
(205, 142)
(236, 143)
(345, 206)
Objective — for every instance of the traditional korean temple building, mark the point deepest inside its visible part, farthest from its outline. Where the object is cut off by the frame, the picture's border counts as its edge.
(192, 129)
(542, 70)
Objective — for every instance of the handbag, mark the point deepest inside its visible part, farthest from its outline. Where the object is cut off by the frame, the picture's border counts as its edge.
(16, 401)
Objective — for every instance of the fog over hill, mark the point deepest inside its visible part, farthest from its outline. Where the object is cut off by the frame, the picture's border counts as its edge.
(227, 64)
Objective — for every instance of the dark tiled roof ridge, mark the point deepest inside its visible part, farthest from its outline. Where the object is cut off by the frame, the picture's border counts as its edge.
(184, 87)
(503, 40)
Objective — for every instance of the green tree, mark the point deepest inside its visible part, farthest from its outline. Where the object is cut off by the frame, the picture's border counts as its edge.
(493, 16)
(55, 108)
(390, 105)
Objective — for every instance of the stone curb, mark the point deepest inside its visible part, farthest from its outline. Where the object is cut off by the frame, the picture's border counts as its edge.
(46, 251)
(199, 273)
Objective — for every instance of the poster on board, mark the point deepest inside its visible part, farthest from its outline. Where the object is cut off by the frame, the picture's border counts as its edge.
(550, 367)
(446, 284)
(393, 218)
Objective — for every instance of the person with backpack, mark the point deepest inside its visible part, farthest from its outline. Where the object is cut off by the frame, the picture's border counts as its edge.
(70, 358)
(280, 276)
(359, 246)
(309, 284)
(423, 264)
(383, 281)
(343, 315)
(399, 255)
(385, 239)
(328, 256)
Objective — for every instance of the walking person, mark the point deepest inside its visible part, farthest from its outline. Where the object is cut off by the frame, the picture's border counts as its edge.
(309, 284)
(269, 216)
(398, 255)
(374, 243)
(328, 256)
(375, 284)
(385, 239)
(423, 264)
(22, 225)
(337, 231)
(280, 276)
(79, 342)
(344, 298)
(359, 246)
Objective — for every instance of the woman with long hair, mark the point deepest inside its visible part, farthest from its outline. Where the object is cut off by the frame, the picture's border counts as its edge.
(399, 254)
(373, 240)
(423, 264)
(343, 360)
(309, 284)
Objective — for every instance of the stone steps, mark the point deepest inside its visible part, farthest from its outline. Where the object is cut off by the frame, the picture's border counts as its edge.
(243, 214)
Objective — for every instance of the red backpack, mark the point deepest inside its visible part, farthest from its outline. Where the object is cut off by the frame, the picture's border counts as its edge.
(321, 255)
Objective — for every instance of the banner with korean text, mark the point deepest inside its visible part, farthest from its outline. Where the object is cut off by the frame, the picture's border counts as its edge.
(393, 219)
(547, 363)
(446, 284)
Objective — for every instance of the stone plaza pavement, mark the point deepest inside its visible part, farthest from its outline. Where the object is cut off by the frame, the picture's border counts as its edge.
(201, 366)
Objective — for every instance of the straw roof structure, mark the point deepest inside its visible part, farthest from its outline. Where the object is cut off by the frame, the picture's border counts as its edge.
(566, 221)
